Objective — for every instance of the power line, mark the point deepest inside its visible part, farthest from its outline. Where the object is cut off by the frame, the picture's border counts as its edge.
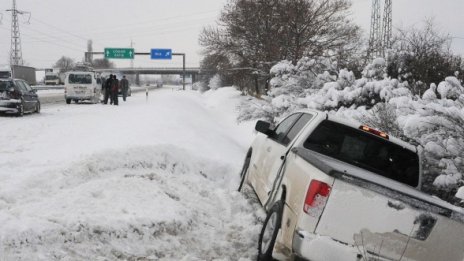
(45, 41)
(131, 25)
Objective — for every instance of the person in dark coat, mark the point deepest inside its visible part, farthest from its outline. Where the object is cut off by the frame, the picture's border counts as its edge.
(115, 90)
(108, 84)
(124, 87)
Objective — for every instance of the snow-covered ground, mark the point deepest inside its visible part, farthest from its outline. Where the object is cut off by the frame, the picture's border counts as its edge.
(151, 179)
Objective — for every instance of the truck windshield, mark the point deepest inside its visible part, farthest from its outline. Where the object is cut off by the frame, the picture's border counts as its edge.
(5, 86)
(5, 74)
(80, 78)
(51, 77)
(366, 151)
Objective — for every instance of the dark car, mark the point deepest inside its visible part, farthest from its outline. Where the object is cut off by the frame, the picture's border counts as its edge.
(17, 97)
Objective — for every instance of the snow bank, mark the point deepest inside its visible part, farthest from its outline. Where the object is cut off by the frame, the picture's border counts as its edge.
(161, 203)
(151, 179)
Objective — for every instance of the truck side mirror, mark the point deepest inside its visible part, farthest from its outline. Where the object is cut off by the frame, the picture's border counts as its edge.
(263, 127)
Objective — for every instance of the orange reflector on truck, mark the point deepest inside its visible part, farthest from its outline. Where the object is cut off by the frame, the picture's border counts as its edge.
(374, 131)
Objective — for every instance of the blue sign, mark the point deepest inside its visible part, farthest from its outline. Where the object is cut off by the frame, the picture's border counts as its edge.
(161, 54)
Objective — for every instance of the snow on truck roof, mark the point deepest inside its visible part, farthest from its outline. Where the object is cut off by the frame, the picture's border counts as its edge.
(356, 125)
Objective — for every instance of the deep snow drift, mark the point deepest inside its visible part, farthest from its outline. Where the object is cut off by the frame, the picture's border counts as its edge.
(151, 180)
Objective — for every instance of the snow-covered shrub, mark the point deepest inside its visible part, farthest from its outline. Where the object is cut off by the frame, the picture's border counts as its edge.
(383, 117)
(377, 70)
(215, 82)
(253, 108)
(201, 86)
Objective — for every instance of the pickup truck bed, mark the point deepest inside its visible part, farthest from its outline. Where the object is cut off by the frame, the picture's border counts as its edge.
(402, 223)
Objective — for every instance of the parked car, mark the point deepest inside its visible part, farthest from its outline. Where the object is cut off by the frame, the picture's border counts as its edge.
(17, 97)
(337, 190)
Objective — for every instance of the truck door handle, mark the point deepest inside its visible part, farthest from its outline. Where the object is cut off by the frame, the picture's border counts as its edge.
(396, 205)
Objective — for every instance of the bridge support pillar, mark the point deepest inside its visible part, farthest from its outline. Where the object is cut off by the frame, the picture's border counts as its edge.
(137, 79)
(194, 78)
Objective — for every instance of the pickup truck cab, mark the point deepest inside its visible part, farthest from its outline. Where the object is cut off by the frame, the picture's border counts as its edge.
(337, 190)
(81, 86)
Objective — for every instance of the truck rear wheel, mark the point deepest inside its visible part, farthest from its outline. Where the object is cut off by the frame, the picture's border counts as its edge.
(269, 232)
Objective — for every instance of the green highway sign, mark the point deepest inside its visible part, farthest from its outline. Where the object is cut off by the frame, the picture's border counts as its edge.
(119, 53)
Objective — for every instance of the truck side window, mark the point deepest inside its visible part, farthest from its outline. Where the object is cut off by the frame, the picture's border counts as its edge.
(282, 129)
(299, 125)
(21, 86)
(28, 88)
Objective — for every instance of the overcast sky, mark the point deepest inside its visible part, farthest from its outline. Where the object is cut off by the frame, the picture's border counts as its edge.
(62, 27)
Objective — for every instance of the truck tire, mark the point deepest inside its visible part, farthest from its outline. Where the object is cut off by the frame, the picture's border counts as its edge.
(268, 235)
(68, 101)
(244, 172)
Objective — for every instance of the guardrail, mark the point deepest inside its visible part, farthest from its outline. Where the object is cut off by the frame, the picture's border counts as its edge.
(48, 87)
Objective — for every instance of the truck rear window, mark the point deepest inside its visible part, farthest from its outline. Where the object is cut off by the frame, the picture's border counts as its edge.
(366, 151)
(80, 79)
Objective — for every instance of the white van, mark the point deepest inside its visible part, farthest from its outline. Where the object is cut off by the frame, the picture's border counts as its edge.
(81, 86)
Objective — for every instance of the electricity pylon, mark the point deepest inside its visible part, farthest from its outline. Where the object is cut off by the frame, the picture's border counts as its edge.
(16, 56)
(381, 30)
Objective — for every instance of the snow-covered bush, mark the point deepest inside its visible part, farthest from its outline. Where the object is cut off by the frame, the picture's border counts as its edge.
(215, 82)
(254, 108)
(200, 86)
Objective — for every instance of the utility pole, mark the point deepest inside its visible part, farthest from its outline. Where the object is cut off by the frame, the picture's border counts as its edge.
(88, 54)
(16, 56)
(132, 60)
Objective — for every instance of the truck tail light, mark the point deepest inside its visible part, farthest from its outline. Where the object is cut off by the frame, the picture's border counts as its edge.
(316, 198)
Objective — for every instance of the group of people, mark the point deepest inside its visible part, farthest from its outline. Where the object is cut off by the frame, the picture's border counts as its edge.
(111, 89)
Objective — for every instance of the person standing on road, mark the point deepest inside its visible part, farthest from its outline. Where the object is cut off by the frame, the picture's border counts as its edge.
(124, 87)
(114, 90)
(108, 90)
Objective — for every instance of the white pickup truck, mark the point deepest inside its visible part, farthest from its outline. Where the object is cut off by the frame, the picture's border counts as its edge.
(335, 190)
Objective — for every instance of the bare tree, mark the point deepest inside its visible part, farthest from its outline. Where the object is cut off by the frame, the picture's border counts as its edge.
(253, 35)
(64, 64)
(102, 64)
(423, 56)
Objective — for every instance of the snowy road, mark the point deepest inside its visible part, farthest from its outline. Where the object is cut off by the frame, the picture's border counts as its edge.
(148, 180)
(48, 96)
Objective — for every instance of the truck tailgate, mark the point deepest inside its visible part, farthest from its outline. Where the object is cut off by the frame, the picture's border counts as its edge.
(385, 224)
